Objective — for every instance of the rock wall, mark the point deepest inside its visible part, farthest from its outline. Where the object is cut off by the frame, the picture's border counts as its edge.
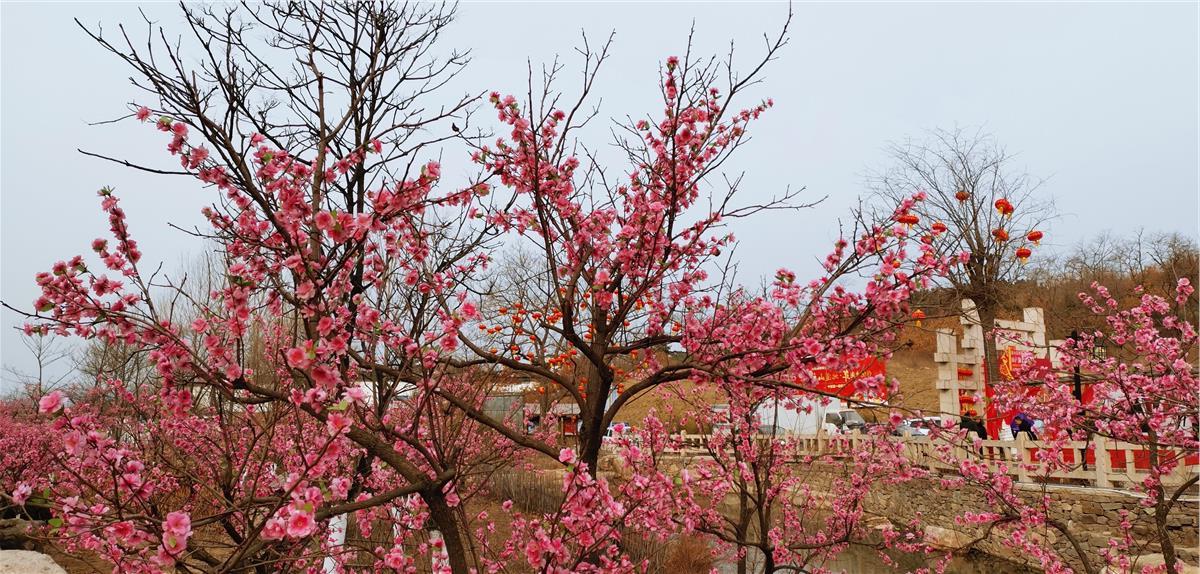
(1092, 516)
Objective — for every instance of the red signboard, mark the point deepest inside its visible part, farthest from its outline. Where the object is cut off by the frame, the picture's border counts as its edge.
(841, 382)
(1011, 363)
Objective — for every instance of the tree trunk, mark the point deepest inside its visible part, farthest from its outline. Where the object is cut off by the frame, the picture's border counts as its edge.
(590, 442)
(741, 530)
(1161, 511)
(591, 421)
(445, 521)
(991, 363)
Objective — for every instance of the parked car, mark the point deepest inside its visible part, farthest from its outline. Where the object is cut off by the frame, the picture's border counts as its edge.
(845, 420)
(617, 430)
(921, 426)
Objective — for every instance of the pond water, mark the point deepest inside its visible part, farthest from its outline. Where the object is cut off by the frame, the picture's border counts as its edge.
(857, 560)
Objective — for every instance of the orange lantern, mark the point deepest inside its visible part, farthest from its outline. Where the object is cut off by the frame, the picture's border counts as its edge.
(1035, 236)
(1000, 234)
(918, 315)
(1004, 207)
(962, 195)
(1023, 254)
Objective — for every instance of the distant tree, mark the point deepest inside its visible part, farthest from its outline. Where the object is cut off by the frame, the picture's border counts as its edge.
(1153, 262)
(46, 352)
(978, 206)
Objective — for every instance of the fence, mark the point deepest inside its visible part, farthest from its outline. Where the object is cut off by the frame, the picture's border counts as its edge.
(1104, 463)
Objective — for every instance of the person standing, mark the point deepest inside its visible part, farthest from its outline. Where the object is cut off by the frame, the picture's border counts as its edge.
(1023, 423)
(971, 422)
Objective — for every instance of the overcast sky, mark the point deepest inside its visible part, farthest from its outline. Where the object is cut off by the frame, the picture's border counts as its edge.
(1100, 98)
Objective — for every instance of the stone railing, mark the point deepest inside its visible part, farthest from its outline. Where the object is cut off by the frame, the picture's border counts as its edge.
(1104, 463)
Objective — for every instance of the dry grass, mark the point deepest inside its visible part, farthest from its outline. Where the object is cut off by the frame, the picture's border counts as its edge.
(689, 555)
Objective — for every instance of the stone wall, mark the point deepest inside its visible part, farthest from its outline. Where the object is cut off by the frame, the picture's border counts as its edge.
(1092, 516)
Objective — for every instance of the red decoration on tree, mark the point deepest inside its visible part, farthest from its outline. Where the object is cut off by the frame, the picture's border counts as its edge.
(1023, 254)
(938, 227)
(1004, 207)
(918, 315)
(962, 195)
(908, 219)
(1000, 234)
(1035, 236)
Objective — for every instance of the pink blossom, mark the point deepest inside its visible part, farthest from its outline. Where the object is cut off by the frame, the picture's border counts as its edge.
(340, 487)
(275, 529)
(179, 523)
(356, 394)
(123, 531)
(324, 220)
(298, 358)
(177, 528)
(300, 524)
(51, 403)
(338, 423)
(326, 376)
(21, 494)
(469, 310)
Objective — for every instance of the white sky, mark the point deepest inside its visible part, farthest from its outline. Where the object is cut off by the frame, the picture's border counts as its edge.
(1101, 98)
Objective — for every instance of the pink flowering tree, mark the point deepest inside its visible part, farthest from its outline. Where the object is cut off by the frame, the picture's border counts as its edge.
(620, 269)
(617, 272)
(769, 495)
(594, 315)
(259, 408)
(338, 366)
(1143, 384)
(302, 384)
(764, 499)
(26, 445)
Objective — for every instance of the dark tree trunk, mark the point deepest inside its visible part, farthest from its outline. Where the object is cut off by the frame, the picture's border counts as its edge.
(447, 523)
(591, 421)
(987, 319)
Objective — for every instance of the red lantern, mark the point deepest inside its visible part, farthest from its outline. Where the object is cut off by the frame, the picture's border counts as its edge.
(938, 227)
(1023, 254)
(918, 315)
(1000, 234)
(908, 219)
(962, 195)
(965, 373)
(1004, 207)
(1035, 236)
